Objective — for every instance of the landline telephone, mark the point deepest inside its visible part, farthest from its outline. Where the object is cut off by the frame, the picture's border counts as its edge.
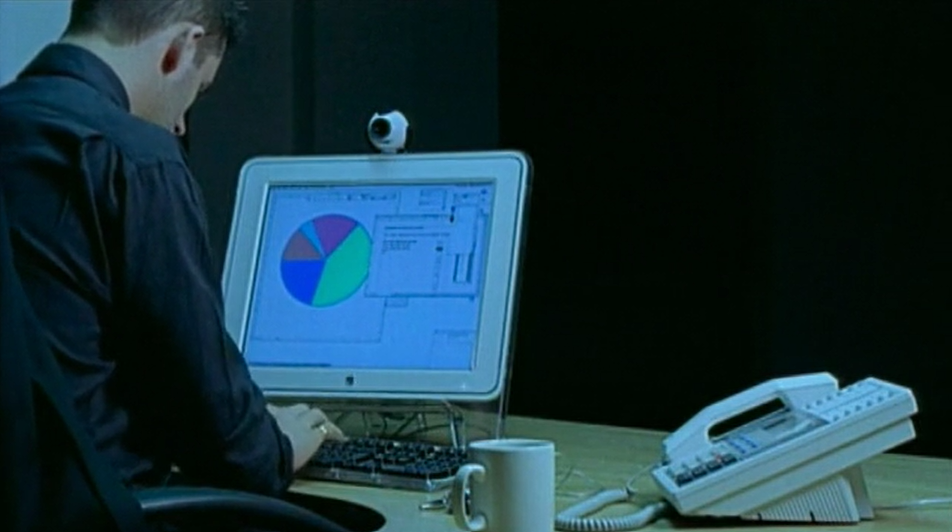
(798, 463)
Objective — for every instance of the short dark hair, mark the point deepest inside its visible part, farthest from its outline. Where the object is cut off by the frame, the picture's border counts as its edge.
(129, 21)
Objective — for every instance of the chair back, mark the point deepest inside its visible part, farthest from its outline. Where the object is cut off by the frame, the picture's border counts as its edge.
(51, 477)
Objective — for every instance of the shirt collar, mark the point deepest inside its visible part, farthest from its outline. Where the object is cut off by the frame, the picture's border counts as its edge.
(75, 62)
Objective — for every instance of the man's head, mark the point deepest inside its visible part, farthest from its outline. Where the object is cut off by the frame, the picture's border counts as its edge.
(165, 51)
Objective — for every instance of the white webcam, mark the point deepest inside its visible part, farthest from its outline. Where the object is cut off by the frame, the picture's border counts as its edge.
(389, 132)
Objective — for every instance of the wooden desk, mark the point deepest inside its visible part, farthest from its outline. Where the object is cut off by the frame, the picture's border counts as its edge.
(591, 457)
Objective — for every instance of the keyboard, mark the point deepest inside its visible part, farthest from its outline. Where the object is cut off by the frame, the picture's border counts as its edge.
(418, 466)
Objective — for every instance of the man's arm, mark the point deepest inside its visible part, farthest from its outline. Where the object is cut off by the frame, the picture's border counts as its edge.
(198, 383)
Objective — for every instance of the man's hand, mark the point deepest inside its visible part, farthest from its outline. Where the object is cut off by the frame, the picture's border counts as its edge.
(307, 428)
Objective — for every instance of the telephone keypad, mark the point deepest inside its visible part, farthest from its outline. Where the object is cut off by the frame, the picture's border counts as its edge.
(683, 478)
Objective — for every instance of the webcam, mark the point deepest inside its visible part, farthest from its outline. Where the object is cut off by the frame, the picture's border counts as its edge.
(389, 132)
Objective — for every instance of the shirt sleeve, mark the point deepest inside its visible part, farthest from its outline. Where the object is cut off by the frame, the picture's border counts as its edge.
(217, 428)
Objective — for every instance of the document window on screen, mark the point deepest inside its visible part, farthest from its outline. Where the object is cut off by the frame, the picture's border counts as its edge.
(370, 276)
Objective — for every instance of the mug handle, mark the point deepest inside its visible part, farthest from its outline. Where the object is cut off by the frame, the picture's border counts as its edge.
(461, 482)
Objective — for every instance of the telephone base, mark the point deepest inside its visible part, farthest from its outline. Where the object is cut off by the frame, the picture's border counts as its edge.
(839, 499)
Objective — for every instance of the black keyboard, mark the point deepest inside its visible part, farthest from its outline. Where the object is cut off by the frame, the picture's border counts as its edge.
(387, 463)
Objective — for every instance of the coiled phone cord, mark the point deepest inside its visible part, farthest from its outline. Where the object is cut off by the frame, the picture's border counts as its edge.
(574, 519)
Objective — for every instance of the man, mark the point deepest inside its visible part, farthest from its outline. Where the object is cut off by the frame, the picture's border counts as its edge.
(110, 241)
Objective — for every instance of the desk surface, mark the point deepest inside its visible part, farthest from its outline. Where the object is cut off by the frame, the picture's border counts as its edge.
(591, 457)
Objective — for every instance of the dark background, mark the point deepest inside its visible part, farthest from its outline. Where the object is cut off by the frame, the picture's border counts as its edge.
(724, 192)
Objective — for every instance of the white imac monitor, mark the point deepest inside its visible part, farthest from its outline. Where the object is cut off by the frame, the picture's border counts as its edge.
(377, 277)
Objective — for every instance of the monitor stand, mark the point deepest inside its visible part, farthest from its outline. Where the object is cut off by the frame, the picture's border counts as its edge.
(439, 422)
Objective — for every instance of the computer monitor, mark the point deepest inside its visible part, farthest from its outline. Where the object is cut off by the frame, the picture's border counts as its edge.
(376, 277)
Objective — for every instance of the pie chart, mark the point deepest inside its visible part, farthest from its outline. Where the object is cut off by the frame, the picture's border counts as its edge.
(326, 260)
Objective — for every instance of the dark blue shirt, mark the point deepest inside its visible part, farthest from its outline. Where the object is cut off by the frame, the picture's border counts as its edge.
(110, 239)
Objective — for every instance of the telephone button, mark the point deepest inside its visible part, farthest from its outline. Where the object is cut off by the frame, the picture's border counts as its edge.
(737, 447)
(698, 471)
(683, 478)
(713, 465)
(749, 442)
(728, 458)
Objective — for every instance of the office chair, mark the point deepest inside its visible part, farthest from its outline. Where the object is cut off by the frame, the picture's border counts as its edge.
(52, 477)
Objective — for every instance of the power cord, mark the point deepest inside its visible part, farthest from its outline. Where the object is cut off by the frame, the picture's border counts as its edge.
(574, 472)
(935, 501)
(575, 518)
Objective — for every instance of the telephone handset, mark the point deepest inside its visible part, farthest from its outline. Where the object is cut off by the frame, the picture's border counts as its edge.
(798, 463)
(798, 390)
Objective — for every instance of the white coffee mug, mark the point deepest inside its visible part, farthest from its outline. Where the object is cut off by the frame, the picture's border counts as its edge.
(512, 487)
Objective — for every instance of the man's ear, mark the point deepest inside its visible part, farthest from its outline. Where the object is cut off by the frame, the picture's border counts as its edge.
(181, 49)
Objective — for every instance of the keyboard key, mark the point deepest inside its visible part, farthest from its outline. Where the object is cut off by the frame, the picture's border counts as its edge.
(406, 464)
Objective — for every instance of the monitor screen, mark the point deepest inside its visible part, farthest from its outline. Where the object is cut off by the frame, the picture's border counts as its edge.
(370, 276)
(377, 277)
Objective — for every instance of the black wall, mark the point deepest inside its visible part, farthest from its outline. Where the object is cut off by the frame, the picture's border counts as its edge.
(860, 133)
(729, 192)
(311, 73)
(724, 192)
(648, 243)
